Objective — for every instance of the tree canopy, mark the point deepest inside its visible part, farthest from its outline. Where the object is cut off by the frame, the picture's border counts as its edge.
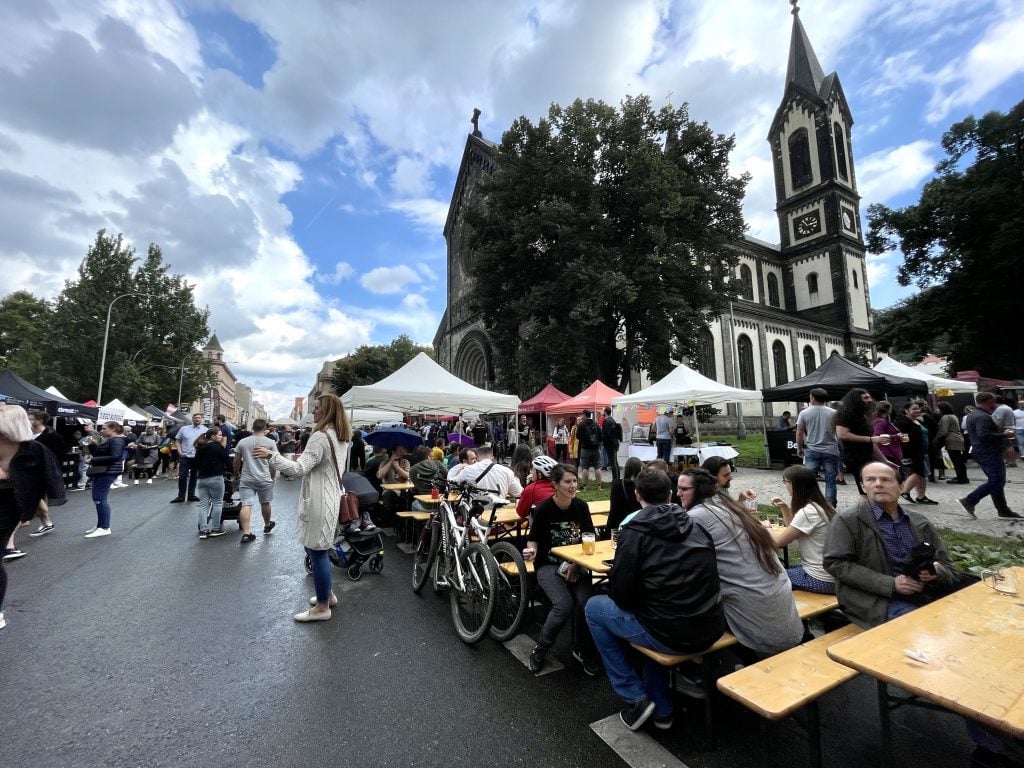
(601, 243)
(369, 364)
(962, 244)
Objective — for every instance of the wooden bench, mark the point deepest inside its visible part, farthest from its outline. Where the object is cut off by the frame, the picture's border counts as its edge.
(409, 521)
(511, 570)
(792, 680)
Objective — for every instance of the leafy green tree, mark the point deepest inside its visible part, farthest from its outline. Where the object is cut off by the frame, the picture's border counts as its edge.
(601, 243)
(369, 364)
(962, 242)
(905, 330)
(24, 329)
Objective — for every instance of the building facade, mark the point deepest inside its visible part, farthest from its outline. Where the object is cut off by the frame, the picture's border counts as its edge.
(220, 397)
(798, 300)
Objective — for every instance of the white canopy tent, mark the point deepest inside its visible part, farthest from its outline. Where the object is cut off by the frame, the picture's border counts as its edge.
(362, 417)
(423, 386)
(117, 411)
(54, 391)
(935, 383)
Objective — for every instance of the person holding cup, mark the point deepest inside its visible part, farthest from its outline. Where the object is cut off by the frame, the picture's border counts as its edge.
(805, 518)
(914, 452)
(860, 445)
(561, 520)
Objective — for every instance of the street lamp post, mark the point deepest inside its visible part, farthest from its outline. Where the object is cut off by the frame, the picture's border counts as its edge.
(106, 338)
(181, 378)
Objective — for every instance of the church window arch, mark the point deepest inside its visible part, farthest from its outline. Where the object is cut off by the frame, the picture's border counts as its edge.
(773, 290)
(779, 361)
(746, 283)
(800, 159)
(745, 351)
(812, 283)
(839, 136)
(854, 272)
(704, 354)
(810, 361)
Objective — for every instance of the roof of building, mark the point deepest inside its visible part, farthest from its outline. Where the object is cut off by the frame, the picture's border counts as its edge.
(804, 69)
(214, 344)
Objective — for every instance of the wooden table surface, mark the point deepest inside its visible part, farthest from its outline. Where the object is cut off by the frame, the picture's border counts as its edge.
(593, 563)
(397, 486)
(602, 506)
(971, 644)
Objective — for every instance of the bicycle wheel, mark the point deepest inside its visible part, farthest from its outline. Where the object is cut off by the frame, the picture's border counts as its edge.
(472, 601)
(513, 586)
(424, 556)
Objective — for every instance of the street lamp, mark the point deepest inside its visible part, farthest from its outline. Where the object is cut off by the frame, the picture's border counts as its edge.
(106, 337)
(181, 378)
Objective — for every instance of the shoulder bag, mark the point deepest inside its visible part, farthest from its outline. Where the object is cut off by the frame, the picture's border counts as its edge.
(348, 508)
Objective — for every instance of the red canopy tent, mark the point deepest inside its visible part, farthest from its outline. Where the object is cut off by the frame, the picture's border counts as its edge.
(593, 398)
(543, 400)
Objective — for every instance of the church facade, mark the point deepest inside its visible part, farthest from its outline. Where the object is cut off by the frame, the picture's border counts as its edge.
(799, 300)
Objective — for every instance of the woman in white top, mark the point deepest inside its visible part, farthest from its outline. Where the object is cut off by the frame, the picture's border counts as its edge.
(808, 527)
(320, 466)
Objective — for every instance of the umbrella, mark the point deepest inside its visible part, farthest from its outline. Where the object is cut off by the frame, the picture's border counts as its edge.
(464, 440)
(389, 436)
(360, 486)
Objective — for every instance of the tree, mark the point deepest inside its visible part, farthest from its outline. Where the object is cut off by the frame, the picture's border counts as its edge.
(369, 364)
(24, 329)
(905, 330)
(962, 243)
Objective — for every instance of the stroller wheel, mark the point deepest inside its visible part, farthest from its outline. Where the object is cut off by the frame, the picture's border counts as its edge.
(309, 565)
(376, 564)
(354, 572)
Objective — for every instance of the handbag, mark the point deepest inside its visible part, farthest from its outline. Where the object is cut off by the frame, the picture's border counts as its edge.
(94, 470)
(347, 511)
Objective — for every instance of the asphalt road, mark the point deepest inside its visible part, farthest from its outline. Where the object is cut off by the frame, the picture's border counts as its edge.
(152, 648)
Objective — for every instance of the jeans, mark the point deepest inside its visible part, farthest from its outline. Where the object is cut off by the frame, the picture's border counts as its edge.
(100, 490)
(565, 598)
(665, 449)
(828, 463)
(82, 478)
(186, 477)
(211, 502)
(995, 480)
(1019, 434)
(613, 629)
(321, 574)
(612, 449)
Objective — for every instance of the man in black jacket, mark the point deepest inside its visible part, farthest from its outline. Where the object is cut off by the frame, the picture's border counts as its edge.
(663, 593)
(611, 436)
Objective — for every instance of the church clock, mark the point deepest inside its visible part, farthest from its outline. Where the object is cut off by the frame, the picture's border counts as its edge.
(807, 225)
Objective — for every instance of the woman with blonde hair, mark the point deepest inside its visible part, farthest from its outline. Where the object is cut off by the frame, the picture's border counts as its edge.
(321, 467)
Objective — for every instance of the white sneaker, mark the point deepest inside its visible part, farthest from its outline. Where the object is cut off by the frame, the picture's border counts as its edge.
(136, 482)
(3, 621)
(115, 486)
(331, 603)
(149, 481)
(91, 530)
(95, 533)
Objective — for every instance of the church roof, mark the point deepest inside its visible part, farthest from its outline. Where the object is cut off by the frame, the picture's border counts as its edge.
(213, 344)
(804, 69)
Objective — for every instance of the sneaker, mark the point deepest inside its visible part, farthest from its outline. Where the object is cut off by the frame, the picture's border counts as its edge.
(537, 658)
(42, 530)
(217, 532)
(149, 481)
(3, 621)
(1007, 514)
(368, 526)
(95, 534)
(691, 688)
(925, 500)
(13, 554)
(177, 500)
(967, 507)
(636, 714)
(663, 723)
(204, 534)
(77, 488)
(269, 527)
(906, 498)
(591, 666)
(118, 485)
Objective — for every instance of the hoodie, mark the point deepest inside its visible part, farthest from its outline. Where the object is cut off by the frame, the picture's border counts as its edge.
(666, 574)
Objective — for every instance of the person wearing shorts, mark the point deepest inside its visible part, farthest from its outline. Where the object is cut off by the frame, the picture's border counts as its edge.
(256, 479)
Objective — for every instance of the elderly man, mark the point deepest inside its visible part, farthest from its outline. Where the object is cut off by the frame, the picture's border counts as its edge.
(987, 439)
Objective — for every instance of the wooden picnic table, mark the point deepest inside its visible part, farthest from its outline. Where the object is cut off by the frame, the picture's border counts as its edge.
(573, 553)
(407, 486)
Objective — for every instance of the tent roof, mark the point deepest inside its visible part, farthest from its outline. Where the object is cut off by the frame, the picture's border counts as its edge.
(685, 385)
(115, 410)
(16, 388)
(550, 395)
(593, 398)
(896, 368)
(837, 376)
(421, 385)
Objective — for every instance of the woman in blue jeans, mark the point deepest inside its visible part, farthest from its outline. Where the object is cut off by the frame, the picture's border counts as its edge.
(320, 466)
(211, 462)
(110, 455)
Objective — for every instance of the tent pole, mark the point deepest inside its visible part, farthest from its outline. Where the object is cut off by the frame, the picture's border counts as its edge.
(764, 433)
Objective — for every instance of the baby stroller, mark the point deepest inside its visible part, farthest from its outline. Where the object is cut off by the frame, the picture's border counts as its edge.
(352, 549)
(232, 500)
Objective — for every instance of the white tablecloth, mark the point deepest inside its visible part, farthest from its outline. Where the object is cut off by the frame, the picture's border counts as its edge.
(703, 452)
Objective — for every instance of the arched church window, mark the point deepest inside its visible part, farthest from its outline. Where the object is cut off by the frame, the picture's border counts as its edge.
(746, 283)
(855, 278)
(800, 158)
(812, 283)
(745, 349)
(810, 363)
(839, 136)
(779, 360)
(773, 290)
(704, 354)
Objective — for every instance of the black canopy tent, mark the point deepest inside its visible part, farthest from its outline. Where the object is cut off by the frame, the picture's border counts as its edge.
(837, 376)
(17, 390)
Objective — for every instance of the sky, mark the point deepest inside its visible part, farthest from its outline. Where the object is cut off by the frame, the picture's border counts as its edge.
(295, 160)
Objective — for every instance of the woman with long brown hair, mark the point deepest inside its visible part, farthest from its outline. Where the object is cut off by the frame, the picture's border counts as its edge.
(806, 516)
(320, 466)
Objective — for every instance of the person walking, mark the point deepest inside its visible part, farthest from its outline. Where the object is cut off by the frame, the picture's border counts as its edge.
(105, 465)
(320, 466)
(256, 479)
(185, 441)
(915, 452)
(987, 450)
(211, 462)
(663, 431)
(28, 474)
(816, 441)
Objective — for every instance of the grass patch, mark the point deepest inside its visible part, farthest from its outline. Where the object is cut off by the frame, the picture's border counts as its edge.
(750, 449)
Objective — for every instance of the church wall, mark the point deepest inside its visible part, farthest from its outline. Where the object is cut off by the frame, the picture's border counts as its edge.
(819, 265)
(835, 115)
(856, 289)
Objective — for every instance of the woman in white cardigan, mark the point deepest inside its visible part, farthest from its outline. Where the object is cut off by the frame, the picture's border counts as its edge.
(320, 466)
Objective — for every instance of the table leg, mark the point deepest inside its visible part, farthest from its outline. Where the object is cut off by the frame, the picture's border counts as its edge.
(886, 729)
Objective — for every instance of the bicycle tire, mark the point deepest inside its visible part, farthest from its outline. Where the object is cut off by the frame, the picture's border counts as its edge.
(424, 556)
(472, 602)
(512, 591)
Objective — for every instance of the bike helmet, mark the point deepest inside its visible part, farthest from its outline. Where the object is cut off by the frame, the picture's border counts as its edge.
(544, 465)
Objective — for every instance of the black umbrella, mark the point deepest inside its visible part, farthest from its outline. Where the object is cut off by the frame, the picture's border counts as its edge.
(361, 487)
(389, 436)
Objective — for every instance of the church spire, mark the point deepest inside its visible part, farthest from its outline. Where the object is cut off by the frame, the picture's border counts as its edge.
(804, 69)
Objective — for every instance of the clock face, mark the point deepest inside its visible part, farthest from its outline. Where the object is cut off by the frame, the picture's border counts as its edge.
(847, 220)
(808, 225)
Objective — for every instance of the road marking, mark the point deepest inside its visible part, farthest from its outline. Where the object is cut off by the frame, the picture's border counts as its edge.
(636, 748)
(521, 646)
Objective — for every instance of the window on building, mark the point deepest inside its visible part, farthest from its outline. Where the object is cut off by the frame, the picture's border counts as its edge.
(779, 360)
(799, 159)
(704, 355)
(855, 279)
(745, 349)
(839, 135)
(773, 290)
(746, 283)
(812, 283)
(810, 363)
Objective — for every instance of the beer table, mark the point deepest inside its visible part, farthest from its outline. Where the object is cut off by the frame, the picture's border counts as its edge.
(962, 653)
(573, 553)
(407, 486)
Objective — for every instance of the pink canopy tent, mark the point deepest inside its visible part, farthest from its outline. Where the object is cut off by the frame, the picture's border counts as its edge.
(593, 398)
(543, 400)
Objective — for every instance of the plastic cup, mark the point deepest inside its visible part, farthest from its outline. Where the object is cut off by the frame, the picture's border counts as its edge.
(589, 542)
(435, 493)
(615, 539)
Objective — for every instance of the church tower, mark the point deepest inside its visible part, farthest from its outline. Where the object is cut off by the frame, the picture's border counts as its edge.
(818, 206)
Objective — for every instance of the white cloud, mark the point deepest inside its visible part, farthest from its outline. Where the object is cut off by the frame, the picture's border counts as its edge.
(413, 316)
(411, 177)
(427, 214)
(890, 172)
(342, 271)
(426, 271)
(388, 279)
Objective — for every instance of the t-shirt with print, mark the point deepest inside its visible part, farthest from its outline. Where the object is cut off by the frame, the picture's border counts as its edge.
(811, 522)
(556, 527)
(255, 470)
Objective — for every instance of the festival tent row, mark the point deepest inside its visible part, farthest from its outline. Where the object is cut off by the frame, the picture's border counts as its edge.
(936, 384)
(15, 389)
(593, 398)
(837, 376)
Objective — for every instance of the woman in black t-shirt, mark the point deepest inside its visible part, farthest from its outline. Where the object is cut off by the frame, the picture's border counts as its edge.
(623, 499)
(557, 522)
(212, 463)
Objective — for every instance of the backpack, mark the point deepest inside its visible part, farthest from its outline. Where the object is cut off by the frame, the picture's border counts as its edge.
(591, 434)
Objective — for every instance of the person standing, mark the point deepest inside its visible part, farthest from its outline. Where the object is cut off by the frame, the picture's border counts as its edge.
(1004, 419)
(987, 450)
(853, 428)
(589, 435)
(952, 439)
(147, 456)
(28, 473)
(185, 441)
(357, 460)
(611, 437)
(320, 466)
(221, 423)
(90, 437)
(109, 456)
(1018, 427)
(212, 463)
(816, 441)
(561, 442)
(914, 453)
(256, 479)
(663, 435)
(46, 435)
